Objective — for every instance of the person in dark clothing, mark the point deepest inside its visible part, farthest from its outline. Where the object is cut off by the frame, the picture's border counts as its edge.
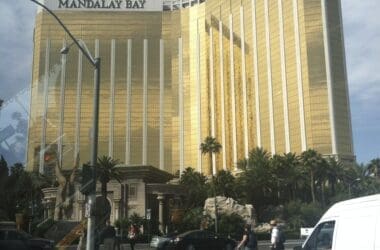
(249, 241)
(108, 235)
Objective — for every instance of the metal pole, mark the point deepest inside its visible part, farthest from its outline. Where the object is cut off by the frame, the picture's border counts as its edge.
(94, 155)
(216, 216)
(94, 145)
(215, 205)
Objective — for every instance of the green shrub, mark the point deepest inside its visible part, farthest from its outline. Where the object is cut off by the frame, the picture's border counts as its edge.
(191, 220)
(231, 226)
(298, 214)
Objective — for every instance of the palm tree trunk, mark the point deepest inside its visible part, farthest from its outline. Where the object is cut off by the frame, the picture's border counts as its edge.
(312, 186)
(333, 188)
(104, 190)
(323, 194)
(211, 166)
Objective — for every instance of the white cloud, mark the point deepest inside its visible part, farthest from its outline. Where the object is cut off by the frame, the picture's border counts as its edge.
(362, 39)
(16, 40)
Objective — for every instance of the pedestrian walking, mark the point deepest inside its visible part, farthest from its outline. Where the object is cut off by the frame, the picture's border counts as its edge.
(117, 239)
(108, 235)
(277, 236)
(249, 241)
(133, 233)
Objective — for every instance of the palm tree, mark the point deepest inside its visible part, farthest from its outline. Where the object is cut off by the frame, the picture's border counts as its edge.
(196, 187)
(335, 173)
(258, 157)
(242, 164)
(373, 168)
(285, 170)
(106, 171)
(321, 178)
(311, 161)
(225, 184)
(294, 178)
(210, 146)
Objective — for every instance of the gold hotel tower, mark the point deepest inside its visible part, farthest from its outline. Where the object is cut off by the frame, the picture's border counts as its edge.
(251, 73)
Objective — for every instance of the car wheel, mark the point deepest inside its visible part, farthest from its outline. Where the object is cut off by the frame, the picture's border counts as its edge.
(190, 247)
(229, 247)
(164, 247)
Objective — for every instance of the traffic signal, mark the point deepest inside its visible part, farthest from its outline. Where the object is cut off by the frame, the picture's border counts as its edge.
(88, 180)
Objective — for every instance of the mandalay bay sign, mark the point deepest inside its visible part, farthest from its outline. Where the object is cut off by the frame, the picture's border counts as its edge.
(104, 5)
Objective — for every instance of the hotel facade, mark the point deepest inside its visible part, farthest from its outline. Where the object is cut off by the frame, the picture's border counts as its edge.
(251, 73)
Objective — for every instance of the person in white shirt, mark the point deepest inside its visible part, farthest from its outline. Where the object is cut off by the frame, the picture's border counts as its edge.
(276, 241)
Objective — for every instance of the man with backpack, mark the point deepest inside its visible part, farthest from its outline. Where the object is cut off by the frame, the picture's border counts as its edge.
(249, 241)
(277, 236)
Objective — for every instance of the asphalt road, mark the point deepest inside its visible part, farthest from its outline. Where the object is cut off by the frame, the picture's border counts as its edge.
(262, 245)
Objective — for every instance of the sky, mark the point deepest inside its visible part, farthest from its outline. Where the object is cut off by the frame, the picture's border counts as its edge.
(362, 43)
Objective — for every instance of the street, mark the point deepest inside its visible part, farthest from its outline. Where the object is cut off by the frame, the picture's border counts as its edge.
(262, 245)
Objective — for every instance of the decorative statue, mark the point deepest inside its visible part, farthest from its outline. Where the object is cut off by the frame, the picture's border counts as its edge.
(65, 190)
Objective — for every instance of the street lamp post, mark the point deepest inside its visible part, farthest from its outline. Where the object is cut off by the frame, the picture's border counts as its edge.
(95, 62)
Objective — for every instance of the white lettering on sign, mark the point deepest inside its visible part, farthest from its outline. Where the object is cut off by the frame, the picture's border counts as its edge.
(105, 5)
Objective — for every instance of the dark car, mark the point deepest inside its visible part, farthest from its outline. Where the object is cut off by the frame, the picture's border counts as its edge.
(11, 239)
(199, 240)
(161, 242)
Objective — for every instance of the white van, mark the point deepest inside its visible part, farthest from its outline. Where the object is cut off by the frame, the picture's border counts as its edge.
(348, 225)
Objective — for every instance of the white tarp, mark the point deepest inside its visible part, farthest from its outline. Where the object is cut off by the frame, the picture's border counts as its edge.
(103, 5)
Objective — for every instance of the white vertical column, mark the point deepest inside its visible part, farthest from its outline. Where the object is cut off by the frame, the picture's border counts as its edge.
(299, 76)
(244, 82)
(256, 73)
(181, 115)
(62, 106)
(78, 107)
(97, 52)
(128, 108)
(212, 99)
(232, 87)
(330, 90)
(221, 68)
(112, 100)
(145, 103)
(269, 79)
(161, 222)
(198, 91)
(44, 108)
(162, 105)
(283, 78)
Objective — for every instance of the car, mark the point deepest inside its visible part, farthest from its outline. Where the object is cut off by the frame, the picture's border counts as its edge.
(348, 225)
(199, 240)
(161, 242)
(12, 239)
(7, 225)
